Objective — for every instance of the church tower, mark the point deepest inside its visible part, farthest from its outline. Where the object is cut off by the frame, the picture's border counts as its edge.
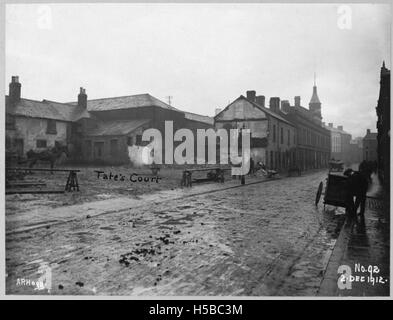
(315, 104)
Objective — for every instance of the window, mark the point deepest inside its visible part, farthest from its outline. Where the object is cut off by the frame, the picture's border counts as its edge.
(114, 147)
(274, 133)
(19, 145)
(289, 137)
(138, 140)
(76, 128)
(98, 149)
(41, 143)
(282, 135)
(10, 122)
(51, 126)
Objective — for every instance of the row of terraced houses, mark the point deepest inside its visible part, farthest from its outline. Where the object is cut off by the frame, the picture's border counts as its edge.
(102, 130)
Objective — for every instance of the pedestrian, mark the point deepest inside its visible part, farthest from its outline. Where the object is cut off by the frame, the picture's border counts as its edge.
(252, 165)
(356, 186)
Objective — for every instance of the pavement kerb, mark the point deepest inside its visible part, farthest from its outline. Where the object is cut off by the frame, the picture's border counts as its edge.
(46, 225)
(329, 279)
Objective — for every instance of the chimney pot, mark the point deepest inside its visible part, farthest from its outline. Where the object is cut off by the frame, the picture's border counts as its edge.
(368, 131)
(251, 95)
(285, 106)
(340, 128)
(330, 125)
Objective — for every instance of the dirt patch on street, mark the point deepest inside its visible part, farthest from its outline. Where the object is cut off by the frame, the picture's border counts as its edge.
(96, 183)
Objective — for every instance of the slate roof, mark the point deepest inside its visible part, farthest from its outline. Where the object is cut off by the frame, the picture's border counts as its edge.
(126, 102)
(306, 113)
(116, 127)
(46, 110)
(199, 118)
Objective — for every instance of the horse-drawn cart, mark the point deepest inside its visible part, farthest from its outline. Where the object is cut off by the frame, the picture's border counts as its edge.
(335, 191)
(336, 165)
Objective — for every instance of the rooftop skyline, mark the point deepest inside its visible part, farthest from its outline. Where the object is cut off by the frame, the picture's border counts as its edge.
(203, 55)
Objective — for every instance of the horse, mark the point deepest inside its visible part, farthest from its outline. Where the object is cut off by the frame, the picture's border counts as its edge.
(357, 185)
(50, 155)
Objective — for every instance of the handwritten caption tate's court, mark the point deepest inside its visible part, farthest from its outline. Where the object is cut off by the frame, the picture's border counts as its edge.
(363, 274)
(134, 177)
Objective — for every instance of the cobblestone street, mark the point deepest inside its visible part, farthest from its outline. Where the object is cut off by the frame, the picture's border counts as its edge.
(261, 239)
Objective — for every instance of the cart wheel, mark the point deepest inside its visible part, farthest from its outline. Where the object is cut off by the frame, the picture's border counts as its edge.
(319, 192)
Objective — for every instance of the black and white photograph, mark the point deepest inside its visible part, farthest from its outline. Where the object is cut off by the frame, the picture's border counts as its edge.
(197, 150)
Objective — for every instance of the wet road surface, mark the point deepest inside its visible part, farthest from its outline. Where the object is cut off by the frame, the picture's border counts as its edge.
(261, 239)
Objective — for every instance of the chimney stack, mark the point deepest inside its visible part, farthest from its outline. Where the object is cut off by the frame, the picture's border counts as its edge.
(274, 104)
(297, 101)
(340, 128)
(330, 125)
(285, 106)
(260, 100)
(251, 95)
(218, 110)
(368, 131)
(82, 98)
(15, 88)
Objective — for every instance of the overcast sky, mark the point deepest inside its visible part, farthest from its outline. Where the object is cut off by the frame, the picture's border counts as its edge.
(203, 55)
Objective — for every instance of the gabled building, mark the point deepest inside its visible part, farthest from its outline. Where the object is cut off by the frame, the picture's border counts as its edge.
(383, 126)
(356, 150)
(340, 143)
(312, 139)
(272, 136)
(370, 146)
(38, 125)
